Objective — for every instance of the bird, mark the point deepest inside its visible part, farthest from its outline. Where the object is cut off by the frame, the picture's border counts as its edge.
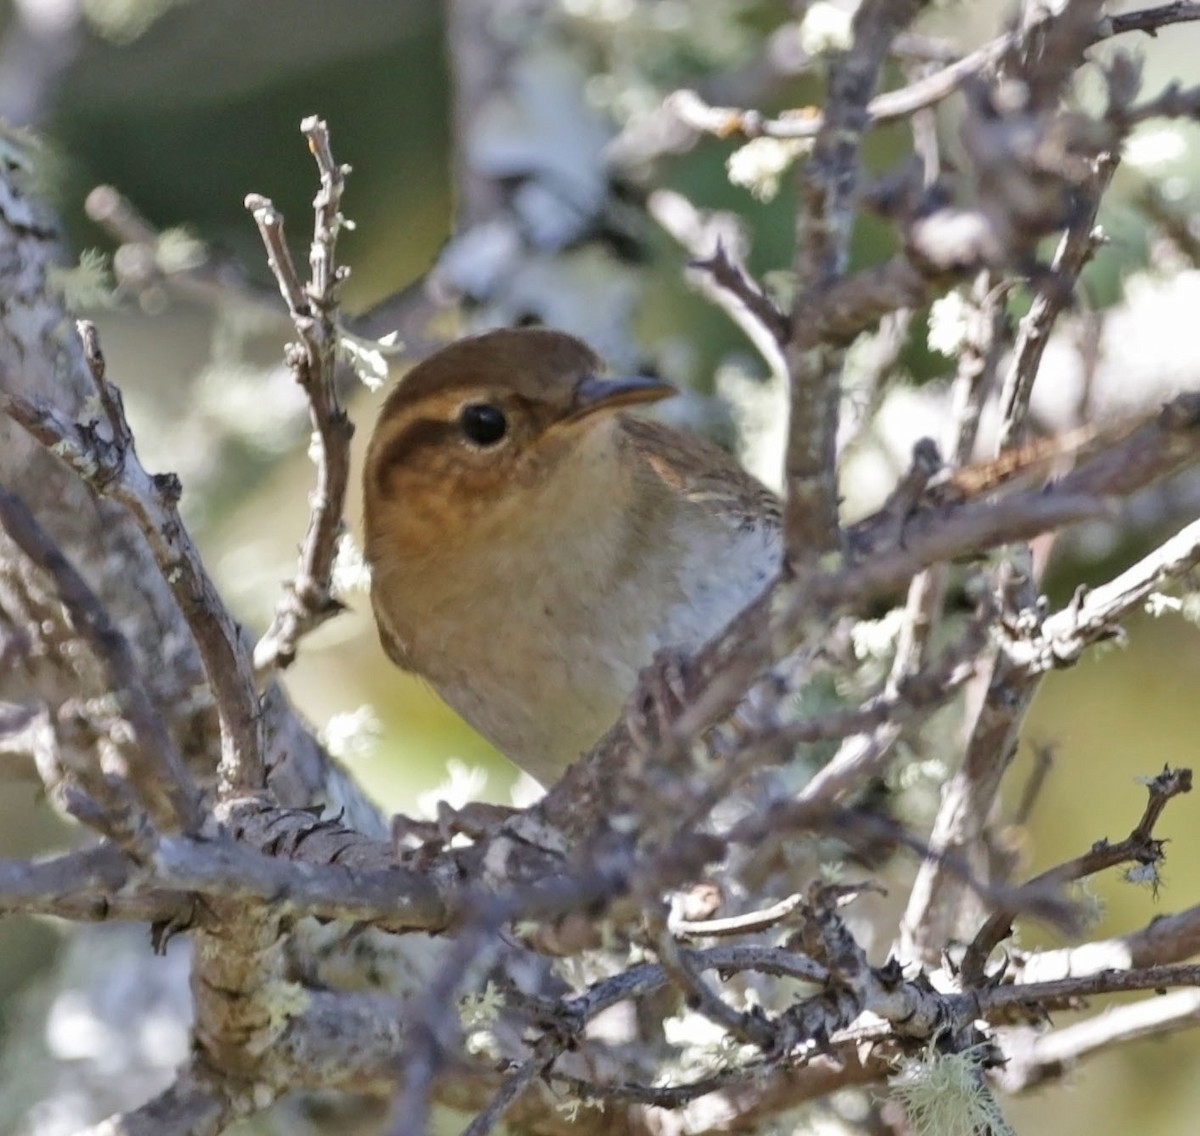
(533, 543)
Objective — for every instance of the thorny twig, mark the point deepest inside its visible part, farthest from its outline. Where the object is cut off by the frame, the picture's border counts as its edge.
(1138, 847)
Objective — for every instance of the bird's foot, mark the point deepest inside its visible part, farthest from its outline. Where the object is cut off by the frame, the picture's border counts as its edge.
(661, 695)
(478, 821)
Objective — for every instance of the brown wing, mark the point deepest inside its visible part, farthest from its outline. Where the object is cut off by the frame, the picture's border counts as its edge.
(707, 475)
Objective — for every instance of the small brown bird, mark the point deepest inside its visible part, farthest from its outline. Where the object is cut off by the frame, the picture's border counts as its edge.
(532, 547)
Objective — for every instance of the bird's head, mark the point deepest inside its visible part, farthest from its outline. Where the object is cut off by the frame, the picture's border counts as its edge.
(471, 438)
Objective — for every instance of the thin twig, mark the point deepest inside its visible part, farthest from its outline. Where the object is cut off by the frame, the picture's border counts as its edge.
(1139, 847)
(308, 599)
(716, 242)
(210, 278)
(547, 1049)
(750, 1028)
(1031, 1060)
(1076, 248)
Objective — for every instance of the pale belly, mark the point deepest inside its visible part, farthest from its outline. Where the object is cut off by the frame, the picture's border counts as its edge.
(554, 669)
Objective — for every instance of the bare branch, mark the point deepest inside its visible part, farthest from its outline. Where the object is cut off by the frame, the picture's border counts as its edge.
(155, 769)
(919, 95)
(111, 466)
(1139, 847)
(308, 599)
(829, 191)
(1076, 248)
(193, 1106)
(716, 242)
(94, 885)
(1032, 1060)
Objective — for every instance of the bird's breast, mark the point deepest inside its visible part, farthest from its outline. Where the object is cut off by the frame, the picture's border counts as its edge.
(542, 655)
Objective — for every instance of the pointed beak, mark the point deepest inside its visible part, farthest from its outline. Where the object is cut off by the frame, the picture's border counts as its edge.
(593, 393)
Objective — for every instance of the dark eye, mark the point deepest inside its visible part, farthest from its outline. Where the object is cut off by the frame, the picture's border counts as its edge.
(483, 423)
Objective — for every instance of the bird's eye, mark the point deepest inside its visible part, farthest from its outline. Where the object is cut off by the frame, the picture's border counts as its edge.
(483, 423)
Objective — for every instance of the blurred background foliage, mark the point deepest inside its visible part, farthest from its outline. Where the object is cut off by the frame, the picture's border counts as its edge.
(185, 107)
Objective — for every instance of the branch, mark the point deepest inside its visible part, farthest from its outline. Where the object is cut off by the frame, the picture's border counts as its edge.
(111, 467)
(154, 766)
(716, 243)
(192, 1106)
(829, 191)
(1166, 939)
(95, 885)
(308, 599)
(398, 900)
(860, 757)
(1138, 847)
(1026, 657)
(1078, 245)
(1032, 1060)
(140, 263)
(724, 122)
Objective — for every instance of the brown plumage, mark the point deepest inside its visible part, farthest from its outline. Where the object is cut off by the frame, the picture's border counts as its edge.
(532, 547)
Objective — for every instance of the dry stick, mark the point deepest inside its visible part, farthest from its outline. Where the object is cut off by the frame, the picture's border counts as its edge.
(749, 1028)
(92, 885)
(1076, 248)
(911, 698)
(154, 766)
(1043, 762)
(716, 242)
(968, 797)
(840, 1070)
(1032, 1059)
(399, 900)
(926, 92)
(875, 363)
(806, 1079)
(1138, 847)
(860, 757)
(213, 280)
(749, 923)
(430, 1032)
(911, 1006)
(993, 999)
(1175, 223)
(1165, 939)
(641, 981)
(545, 1052)
(858, 829)
(308, 600)
(1093, 615)
(113, 469)
(828, 187)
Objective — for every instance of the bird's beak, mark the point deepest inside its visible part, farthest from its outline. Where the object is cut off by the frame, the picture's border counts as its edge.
(593, 393)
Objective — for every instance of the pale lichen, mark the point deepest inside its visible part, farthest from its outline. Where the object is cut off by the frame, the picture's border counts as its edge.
(947, 1094)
